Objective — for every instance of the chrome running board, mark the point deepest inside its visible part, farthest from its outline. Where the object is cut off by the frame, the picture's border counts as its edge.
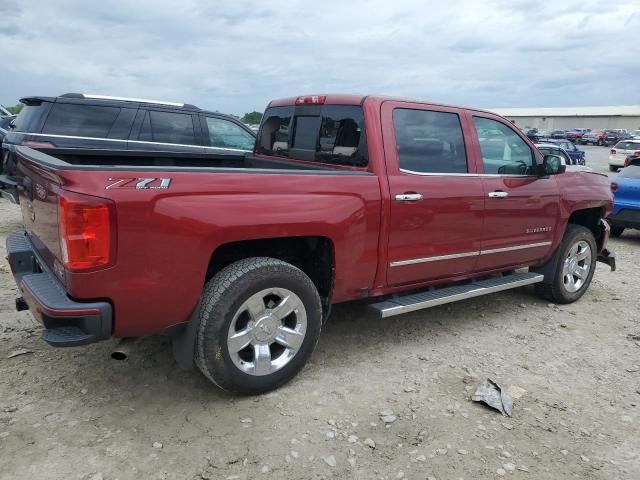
(432, 298)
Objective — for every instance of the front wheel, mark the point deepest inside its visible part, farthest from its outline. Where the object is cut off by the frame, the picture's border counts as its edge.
(260, 319)
(576, 264)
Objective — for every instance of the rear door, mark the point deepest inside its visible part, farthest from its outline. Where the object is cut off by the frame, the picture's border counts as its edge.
(521, 210)
(437, 199)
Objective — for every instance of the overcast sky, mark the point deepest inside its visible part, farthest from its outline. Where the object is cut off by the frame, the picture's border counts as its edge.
(234, 56)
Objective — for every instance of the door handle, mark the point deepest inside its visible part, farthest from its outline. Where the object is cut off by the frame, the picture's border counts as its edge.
(498, 194)
(409, 197)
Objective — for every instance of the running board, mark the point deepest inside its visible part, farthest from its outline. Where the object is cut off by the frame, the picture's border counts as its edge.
(432, 298)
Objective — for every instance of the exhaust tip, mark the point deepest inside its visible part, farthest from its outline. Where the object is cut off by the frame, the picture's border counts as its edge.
(117, 355)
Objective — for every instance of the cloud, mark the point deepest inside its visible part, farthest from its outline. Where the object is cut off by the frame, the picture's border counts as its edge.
(236, 56)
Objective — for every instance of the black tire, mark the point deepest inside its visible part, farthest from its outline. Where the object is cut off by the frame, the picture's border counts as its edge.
(224, 295)
(555, 291)
(616, 231)
(613, 168)
(600, 143)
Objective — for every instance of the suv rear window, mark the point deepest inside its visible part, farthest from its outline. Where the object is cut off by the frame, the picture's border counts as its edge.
(80, 120)
(23, 121)
(327, 134)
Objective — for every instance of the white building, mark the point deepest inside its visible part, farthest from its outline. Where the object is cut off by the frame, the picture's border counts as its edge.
(563, 118)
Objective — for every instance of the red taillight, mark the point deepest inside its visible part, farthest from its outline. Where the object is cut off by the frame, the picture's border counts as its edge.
(86, 231)
(32, 144)
(311, 100)
(613, 151)
(636, 153)
(614, 187)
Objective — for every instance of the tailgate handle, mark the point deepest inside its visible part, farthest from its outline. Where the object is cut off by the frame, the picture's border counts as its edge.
(27, 183)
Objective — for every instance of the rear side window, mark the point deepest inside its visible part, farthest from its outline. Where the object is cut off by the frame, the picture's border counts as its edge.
(429, 142)
(504, 152)
(167, 127)
(226, 134)
(328, 134)
(80, 120)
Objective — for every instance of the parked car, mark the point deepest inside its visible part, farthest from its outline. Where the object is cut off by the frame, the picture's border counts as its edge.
(626, 197)
(241, 265)
(595, 137)
(80, 121)
(621, 151)
(534, 134)
(614, 136)
(557, 134)
(5, 121)
(574, 152)
(576, 134)
(553, 149)
(634, 134)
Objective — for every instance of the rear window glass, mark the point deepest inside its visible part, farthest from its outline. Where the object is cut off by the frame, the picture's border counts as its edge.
(328, 134)
(167, 127)
(632, 171)
(24, 120)
(80, 120)
(628, 146)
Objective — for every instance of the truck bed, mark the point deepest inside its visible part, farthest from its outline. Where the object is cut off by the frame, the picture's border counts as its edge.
(123, 159)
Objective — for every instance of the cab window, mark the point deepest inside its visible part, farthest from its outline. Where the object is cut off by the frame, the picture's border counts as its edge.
(504, 152)
(429, 142)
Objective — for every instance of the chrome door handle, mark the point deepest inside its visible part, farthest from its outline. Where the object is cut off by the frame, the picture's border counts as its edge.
(409, 197)
(498, 194)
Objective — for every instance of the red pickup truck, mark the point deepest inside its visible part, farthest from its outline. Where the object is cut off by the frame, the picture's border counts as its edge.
(405, 203)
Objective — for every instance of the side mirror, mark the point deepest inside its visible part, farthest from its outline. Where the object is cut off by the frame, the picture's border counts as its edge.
(552, 165)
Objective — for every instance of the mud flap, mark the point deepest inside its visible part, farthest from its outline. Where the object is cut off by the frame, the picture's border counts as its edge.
(608, 257)
(184, 343)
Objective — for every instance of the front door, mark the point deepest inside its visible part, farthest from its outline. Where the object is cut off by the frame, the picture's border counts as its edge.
(522, 210)
(437, 200)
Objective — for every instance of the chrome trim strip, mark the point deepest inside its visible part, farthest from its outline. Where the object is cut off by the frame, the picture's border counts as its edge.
(493, 175)
(400, 263)
(413, 261)
(127, 99)
(101, 139)
(516, 247)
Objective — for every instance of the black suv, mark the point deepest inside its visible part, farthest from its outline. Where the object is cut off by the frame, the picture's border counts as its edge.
(79, 121)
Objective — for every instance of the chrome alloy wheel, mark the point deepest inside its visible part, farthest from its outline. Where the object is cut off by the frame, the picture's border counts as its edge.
(576, 266)
(267, 331)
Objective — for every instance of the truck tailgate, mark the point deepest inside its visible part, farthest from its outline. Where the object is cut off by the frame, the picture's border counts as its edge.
(38, 190)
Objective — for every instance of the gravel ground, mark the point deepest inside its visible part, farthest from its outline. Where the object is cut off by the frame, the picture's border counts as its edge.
(574, 370)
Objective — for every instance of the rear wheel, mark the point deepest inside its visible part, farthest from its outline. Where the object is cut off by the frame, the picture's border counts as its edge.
(613, 168)
(616, 231)
(576, 264)
(260, 320)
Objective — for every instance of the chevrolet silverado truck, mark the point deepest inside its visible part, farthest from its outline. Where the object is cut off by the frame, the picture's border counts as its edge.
(402, 204)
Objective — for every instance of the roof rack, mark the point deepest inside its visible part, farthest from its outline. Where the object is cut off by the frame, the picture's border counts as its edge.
(126, 99)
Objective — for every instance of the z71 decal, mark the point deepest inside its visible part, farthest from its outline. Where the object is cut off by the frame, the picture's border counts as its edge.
(139, 183)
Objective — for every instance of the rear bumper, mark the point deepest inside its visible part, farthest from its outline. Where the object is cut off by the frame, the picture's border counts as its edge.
(67, 323)
(625, 217)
